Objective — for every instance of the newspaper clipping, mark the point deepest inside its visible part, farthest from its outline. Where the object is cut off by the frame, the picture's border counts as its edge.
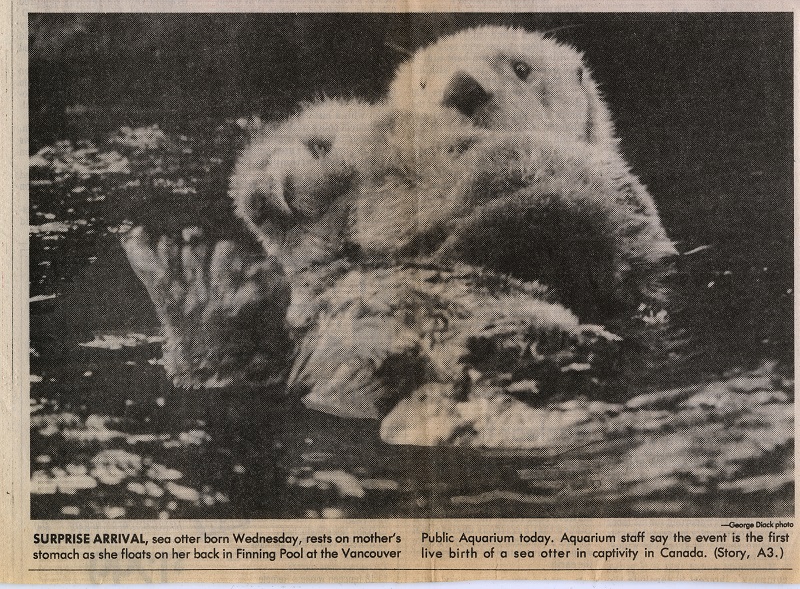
(397, 292)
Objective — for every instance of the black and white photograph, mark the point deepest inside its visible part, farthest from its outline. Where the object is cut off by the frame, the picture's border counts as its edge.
(410, 265)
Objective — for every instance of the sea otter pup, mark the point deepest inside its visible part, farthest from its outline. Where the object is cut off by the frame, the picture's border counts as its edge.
(298, 184)
(394, 185)
(292, 172)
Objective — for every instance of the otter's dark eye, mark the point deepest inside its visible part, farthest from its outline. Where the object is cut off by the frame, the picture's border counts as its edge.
(461, 146)
(319, 148)
(423, 83)
(522, 69)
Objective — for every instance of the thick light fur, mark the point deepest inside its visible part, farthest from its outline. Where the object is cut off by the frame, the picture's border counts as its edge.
(395, 185)
(509, 79)
(473, 75)
(558, 97)
(559, 213)
(293, 171)
(526, 180)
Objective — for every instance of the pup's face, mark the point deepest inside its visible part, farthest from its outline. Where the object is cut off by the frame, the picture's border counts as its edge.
(500, 78)
(290, 175)
(346, 175)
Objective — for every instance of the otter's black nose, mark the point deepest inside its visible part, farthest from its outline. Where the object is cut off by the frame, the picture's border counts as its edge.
(465, 94)
(262, 210)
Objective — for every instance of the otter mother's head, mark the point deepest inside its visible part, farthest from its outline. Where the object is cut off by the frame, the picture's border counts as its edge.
(506, 78)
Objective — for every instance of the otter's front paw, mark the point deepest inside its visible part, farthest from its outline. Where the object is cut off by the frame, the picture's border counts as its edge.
(222, 307)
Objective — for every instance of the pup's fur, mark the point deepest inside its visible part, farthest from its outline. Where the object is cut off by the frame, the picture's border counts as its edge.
(397, 185)
(293, 171)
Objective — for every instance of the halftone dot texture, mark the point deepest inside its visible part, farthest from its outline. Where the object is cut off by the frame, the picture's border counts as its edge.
(455, 298)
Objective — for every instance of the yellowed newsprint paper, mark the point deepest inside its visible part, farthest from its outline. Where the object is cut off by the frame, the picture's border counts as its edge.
(387, 292)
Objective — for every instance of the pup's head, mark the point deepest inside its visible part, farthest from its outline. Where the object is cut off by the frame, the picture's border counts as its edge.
(351, 176)
(293, 172)
(506, 78)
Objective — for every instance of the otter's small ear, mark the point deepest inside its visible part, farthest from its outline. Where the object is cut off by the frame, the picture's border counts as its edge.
(580, 75)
